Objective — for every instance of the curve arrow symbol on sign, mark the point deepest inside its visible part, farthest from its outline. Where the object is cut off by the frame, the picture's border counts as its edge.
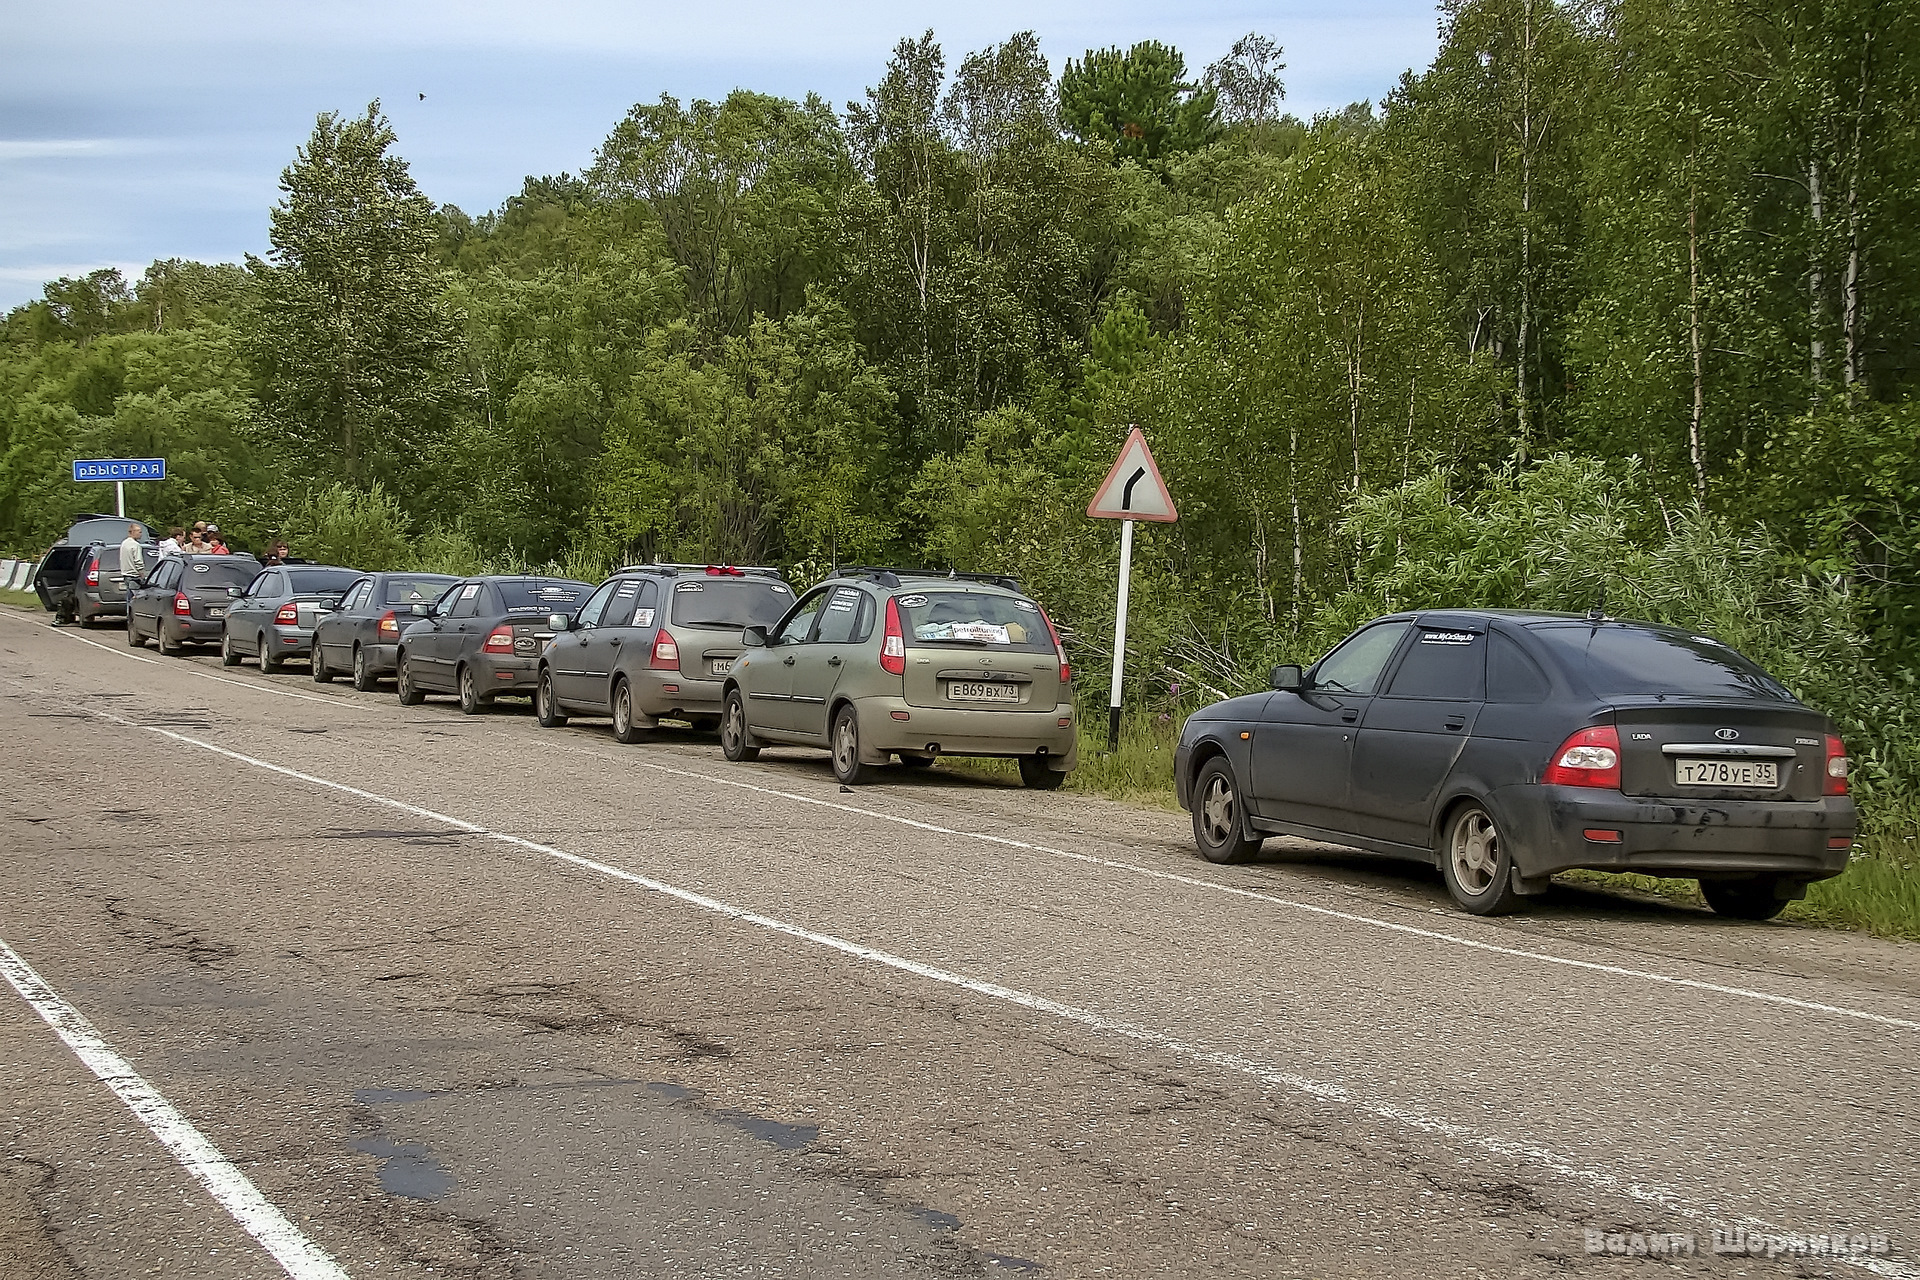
(1133, 490)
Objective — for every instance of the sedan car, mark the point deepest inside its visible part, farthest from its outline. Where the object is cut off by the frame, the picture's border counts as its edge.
(880, 662)
(274, 618)
(184, 600)
(362, 633)
(655, 641)
(1509, 746)
(482, 638)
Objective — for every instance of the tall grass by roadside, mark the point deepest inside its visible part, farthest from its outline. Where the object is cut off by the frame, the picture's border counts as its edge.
(1140, 772)
(20, 599)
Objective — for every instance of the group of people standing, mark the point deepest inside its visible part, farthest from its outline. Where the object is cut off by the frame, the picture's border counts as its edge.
(202, 540)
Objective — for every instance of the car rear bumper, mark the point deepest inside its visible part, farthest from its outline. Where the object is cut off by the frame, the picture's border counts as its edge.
(969, 732)
(380, 658)
(1562, 828)
(192, 630)
(89, 605)
(289, 642)
(506, 673)
(669, 693)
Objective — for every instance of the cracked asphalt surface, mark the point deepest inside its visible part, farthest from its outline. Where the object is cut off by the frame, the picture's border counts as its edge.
(464, 996)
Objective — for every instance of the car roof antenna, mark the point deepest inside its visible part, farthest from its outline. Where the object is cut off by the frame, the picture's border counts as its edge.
(1599, 611)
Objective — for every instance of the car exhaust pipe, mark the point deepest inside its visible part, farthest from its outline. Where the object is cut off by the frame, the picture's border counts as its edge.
(933, 748)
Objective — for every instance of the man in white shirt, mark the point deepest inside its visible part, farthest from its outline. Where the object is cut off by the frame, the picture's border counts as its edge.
(133, 565)
(170, 545)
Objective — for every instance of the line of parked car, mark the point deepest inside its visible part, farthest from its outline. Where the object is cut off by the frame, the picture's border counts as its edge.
(1502, 746)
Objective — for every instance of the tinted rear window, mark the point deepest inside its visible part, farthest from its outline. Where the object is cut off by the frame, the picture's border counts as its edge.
(220, 573)
(414, 590)
(729, 602)
(1622, 661)
(974, 620)
(541, 595)
(308, 582)
(1442, 664)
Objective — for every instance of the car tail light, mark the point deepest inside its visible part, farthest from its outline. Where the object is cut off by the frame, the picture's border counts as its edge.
(666, 652)
(387, 626)
(499, 640)
(1066, 670)
(93, 573)
(893, 648)
(287, 615)
(1590, 758)
(182, 605)
(1838, 767)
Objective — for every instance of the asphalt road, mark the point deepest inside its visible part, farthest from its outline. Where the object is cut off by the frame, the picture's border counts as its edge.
(310, 983)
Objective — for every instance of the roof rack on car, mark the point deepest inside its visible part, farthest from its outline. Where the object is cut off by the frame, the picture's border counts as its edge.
(710, 570)
(1007, 580)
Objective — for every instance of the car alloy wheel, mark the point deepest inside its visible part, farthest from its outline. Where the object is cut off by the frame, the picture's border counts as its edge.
(133, 636)
(409, 693)
(471, 701)
(1218, 830)
(736, 740)
(363, 678)
(623, 730)
(1477, 863)
(268, 661)
(322, 674)
(545, 710)
(229, 656)
(846, 748)
(161, 641)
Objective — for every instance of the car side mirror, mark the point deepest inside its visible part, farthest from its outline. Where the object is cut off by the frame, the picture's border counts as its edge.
(558, 622)
(233, 593)
(1287, 678)
(754, 637)
(422, 611)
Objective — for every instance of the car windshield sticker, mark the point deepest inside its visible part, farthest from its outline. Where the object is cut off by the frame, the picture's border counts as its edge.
(469, 591)
(643, 617)
(689, 586)
(844, 600)
(780, 588)
(1446, 637)
(1028, 605)
(628, 591)
(558, 591)
(912, 602)
(528, 608)
(977, 632)
(201, 568)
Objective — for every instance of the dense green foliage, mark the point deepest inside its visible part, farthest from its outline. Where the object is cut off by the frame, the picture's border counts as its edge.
(1620, 295)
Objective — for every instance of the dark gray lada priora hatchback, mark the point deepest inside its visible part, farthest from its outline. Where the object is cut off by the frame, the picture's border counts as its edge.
(1508, 746)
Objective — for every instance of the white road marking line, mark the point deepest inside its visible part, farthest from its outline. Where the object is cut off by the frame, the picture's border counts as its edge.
(1328, 1092)
(192, 671)
(1433, 935)
(298, 1256)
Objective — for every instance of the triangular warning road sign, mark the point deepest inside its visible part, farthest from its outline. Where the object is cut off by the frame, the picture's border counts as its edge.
(1133, 490)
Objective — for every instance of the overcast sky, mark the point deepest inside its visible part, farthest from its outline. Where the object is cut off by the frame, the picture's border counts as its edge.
(136, 131)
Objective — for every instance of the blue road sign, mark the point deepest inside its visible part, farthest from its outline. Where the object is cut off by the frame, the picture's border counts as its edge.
(120, 469)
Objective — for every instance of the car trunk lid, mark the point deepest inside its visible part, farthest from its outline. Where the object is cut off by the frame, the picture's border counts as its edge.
(1726, 747)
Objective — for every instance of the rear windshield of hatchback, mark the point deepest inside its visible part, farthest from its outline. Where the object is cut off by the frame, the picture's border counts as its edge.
(414, 590)
(219, 573)
(973, 620)
(1619, 661)
(535, 595)
(321, 581)
(729, 602)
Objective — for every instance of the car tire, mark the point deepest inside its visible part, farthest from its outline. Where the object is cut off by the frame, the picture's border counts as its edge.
(546, 712)
(229, 656)
(363, 677)
(1036, 776)
(1748, 898)
(1477, 862)
(844, 746)
(624, 731)
(171, 648)
(134, 640)
(472, 701)
(736, 740)
(409, 693)
(269, 663)
(322, 674)
(1219, 826)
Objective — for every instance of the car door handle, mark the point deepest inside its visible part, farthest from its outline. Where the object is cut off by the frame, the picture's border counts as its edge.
(1456, 722)
(787, 661)
(833, 662)
(1350, 715)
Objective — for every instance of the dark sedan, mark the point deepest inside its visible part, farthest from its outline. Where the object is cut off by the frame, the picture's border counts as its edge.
(362, 633)
(482, 638)
(184, 600)
(1508, 746)
(274, 617)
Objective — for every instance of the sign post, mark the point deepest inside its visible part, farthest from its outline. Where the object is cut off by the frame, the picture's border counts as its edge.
(120, 470)
(1133, 490)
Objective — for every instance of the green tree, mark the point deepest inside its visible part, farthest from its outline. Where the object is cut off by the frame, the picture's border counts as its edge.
(1139, 102)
